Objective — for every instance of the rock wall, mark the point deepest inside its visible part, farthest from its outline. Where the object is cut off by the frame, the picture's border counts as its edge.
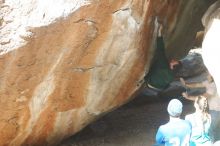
(210, 46)
(182, 32)
(210, 54)
(65, 63)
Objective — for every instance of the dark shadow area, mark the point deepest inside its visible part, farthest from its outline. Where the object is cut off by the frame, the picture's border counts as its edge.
(134, 124)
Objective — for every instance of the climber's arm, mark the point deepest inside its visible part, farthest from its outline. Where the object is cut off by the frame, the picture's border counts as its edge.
(190, 97)
(192, 85)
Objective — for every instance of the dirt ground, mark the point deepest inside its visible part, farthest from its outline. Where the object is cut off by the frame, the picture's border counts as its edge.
(134, 124)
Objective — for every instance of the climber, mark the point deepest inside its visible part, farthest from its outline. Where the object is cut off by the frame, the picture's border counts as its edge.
(161, 72)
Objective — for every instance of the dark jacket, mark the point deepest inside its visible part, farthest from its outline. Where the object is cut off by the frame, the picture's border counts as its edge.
(160, 75)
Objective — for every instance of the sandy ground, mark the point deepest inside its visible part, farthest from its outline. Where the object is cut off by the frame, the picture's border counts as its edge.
(134, 124)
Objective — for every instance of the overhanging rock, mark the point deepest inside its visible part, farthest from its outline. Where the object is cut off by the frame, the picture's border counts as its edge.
(65, 63)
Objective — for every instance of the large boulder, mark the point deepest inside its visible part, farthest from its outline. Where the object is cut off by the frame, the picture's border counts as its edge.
(211, 43)
(211, 51)
(65, 63)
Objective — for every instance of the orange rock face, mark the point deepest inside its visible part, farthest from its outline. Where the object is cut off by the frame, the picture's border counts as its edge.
(63, 64)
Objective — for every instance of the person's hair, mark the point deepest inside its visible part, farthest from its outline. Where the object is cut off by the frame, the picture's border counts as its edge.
(176, 67)
(203, 105)
(177, 116)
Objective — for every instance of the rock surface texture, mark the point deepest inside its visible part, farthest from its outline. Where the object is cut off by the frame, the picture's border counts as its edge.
(211, 44)
(65, 63)
(210, 54)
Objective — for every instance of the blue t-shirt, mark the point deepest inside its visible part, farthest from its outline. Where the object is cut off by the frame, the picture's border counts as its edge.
(176, 132)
